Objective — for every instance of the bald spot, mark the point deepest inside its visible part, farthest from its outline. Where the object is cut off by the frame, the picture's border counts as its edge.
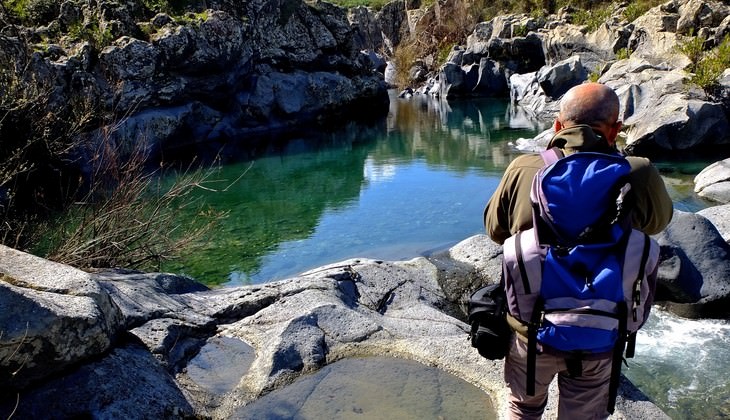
(589, 103)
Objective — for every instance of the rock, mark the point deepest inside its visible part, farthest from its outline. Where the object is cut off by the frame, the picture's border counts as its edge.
(713, 182)
(205, 61)
(694, 269)
(130, 59)
(566, 41)
(657, 47)
(539, 93)
(491, 79)
(467, 266)
(695, 14)
(368, 35)
(274, 333)
(52, 317)
(128, 383)
(659, 111)
(720, 217)
(557, 79)
(452, 81)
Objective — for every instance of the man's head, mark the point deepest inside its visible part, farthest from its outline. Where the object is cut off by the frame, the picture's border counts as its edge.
(592, 104)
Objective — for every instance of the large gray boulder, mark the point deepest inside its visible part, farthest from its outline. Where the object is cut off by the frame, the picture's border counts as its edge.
(594, 49)
(694, 269)
(659, 111)
(713, 182)
(557, 79)
(654, 37)
(539, 92)
(52, 317)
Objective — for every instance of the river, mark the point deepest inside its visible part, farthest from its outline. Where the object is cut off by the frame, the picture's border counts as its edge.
(409, 184)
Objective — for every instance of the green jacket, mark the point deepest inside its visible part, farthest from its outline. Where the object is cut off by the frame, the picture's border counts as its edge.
(509, 209)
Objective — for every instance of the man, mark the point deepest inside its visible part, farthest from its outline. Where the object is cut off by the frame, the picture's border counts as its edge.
(587, 121)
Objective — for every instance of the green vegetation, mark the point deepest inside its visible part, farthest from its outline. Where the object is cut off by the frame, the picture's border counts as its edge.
(623, 53)
(31, 12)
(593, 18)
(128, 218)
(519, 30)
(404, 58)
(707, 66)
(192, 18)
(171, 7)
(443, 53)
(637, 8)
(375, 4)
(693, 47)
(97, 37)
(116, 216)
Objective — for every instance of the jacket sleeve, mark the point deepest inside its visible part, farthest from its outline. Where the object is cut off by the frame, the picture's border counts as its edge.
(654, 208)
(509, 209)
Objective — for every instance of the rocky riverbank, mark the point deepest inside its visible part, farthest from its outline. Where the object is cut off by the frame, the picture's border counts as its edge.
(118, 344)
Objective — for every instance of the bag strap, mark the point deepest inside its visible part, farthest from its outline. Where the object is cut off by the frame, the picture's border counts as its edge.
(636, 295)
(552, 155)
(521, 263)
(618, 352)
(532, 328)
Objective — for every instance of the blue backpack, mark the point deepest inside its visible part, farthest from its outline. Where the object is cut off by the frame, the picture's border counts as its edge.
(581, 279)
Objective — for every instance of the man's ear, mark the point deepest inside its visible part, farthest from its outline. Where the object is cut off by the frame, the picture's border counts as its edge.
(614, 130)
(558, 125)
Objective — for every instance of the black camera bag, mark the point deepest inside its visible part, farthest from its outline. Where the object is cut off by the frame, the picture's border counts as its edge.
(490, 334)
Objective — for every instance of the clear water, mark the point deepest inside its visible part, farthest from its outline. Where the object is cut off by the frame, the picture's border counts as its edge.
(414, 182)
(410, 184)
(374, 388)
(392, 189)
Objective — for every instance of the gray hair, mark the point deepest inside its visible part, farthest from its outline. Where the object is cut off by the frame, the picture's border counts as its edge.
(589, 103)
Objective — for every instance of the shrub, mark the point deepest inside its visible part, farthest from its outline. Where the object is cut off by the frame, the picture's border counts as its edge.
(592, 18)
(693, 48)
(637, 8)
(121, 215)
(623, 54)
(374, 4)
(98, 38)
(404, 58)
(710, 65)
(128, 216)
(519, 30)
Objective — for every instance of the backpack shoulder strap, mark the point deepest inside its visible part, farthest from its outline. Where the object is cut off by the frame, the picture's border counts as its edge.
(552, 155)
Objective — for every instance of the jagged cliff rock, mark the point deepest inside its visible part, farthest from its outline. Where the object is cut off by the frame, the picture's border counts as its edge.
(225, 72)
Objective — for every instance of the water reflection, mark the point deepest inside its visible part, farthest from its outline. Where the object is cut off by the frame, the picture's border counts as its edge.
(395, 188)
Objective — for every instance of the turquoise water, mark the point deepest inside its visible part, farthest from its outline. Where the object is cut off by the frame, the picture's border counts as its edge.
(410, 184)
(397, 188)
(407, 185)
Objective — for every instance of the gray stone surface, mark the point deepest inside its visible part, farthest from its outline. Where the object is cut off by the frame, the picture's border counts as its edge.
(713, 182)
(720, 217)
(52, 317)
(659, 111)
(181, 337)
(694, 269)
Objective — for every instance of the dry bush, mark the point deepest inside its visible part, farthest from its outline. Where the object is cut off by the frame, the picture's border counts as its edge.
(130, 216)
(404, 58)
(120, 215)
